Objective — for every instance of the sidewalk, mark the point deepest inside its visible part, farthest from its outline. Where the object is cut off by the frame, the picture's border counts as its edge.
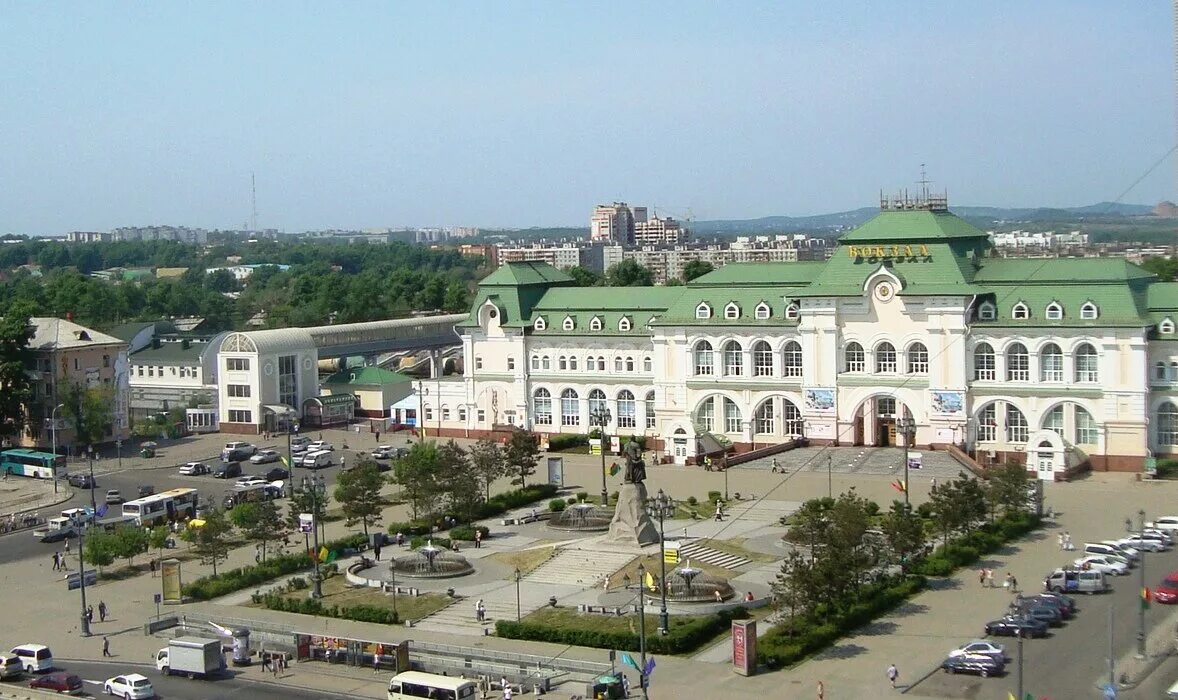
(21, 495)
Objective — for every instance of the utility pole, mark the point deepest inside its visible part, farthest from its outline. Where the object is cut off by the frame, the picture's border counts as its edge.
(1020, 694)
(830, 477)
(316, 577)
(53, 433)
(1112, 659)
(1144, 598)
(82, 580)
(908, 428)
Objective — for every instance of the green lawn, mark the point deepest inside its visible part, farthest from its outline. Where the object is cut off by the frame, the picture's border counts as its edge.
(336, 591)
(568, 618)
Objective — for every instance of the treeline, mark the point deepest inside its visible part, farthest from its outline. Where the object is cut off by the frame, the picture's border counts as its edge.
(326, 283)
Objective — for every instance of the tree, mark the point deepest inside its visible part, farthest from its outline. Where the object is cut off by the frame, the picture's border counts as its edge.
(1165, 268)
(358, 492)
(486, 464)
(259, 521)
(91, 410)
(1006, 489)
(628, 273)
(463, 493)
(794, 590)
(130, 542)
(16, 386)
(158, 538)
(696, 268)
(307, 500)
(100, 549)
(418, 474)
(904, 532)
(584, 276)
(521, 455)
(211, 540)
(834, 530)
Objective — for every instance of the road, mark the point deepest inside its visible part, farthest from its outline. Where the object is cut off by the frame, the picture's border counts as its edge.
(22, 545)
(1069, 662)
(94, 674)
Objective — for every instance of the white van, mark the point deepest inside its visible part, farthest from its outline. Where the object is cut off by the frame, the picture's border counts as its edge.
(10, 666)
(299, 443)
(318, 459)
(35, 658)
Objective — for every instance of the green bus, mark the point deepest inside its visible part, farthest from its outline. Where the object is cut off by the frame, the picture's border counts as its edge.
(25, 462)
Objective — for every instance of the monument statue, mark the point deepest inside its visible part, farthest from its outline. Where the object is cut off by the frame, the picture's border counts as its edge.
(635, 467)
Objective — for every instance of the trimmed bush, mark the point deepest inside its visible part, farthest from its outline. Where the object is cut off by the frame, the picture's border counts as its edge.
(503, 502)
(582, 496)
(410, 529)
(226, 582)
(935, 566)
(311, 606)
(465, 533)
(422, 540)
(682, 639)
(556, 505)
(564, 441)
(692, 501)
(714, 496)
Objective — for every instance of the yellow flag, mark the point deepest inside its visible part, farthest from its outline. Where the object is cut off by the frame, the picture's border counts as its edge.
(649, 581)
(1010, 696)
(323, 553)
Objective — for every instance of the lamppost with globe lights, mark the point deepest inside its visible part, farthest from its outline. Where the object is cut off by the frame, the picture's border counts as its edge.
(661, 507)
(316, 487)
(641, 623)
(907, 427)
(601, 418)
(1141, 579)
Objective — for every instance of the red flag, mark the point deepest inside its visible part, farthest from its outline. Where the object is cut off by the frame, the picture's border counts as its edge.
(898, 485)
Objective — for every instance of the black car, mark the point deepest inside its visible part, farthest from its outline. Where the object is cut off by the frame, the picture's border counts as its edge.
(1068, 601)
(82, 481)
(977, 664)
(1065, 611)
(1013, 626)
(58, 536)
(1041, 611)
(277, 474)
(228, 470)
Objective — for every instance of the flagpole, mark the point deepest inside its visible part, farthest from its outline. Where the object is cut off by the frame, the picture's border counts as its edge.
(1020, 663)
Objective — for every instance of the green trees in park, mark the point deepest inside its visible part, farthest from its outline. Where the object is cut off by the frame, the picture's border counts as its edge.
(89, 411)
(957, 506)
(418, 474)
(16, 386)
(628, 273)
(487, 464)
(358, 492)
(211, 541)
(696, 268)
(259, 521)
(100, 549)
(1006, 489)
(158, 538)
(521, 454)
(584, 276)
(130, 542)
(903, 530)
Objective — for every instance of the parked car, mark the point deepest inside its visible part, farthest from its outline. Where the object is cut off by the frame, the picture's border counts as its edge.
(1012, 626)
(1131, 553)
(60, 681)
(194, 469)
(146, 490)
(10, 667)
(980, 646)
(1061, 606)
(1164, 536)
(1167, 591)
(316, 459)
(1114, 566)
(81, 480)
(1145, 544)
(59, 535)
(1044, 612)
(1169, 523)
(250, 480)
(277, 474)
(320, 445)
(132, 686)
(385, 452)
(228, 470)
(1066, 600)
(264, 457)
(237, 451)
(299, 443)
(1072, 580)
(114, 498)
(1102, 549)
(981, 665)
(36, 658)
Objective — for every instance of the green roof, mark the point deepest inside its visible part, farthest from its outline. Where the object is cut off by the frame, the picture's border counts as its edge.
(747, 299)
(913, 225)
(1056, 270)
(1163, 296)
(169, 354)
(608, 298)
(525, 273)
(367, 376)
(128, 331)
(761, 274)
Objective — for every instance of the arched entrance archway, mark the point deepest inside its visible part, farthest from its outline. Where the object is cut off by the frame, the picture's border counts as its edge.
(875, 421)
(1045, 454)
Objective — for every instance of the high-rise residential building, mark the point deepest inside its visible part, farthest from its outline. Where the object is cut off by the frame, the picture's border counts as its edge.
(656, 231)
(612, 223)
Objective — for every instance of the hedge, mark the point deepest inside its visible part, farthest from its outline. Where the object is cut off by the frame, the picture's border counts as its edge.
(563, 441)
(497, 505)
(313, 606)
(465, 533)
(557, 505)
(226, 582)
(682, 638)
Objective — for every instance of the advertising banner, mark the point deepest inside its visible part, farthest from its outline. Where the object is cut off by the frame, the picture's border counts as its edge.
(170, 576)
(744, 647)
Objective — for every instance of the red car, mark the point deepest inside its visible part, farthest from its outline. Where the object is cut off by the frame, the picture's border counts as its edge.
(60, 681)
(1167, 591)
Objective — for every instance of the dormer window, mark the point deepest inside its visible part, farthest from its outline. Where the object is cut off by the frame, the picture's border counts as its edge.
(703, 311)
(732, 311)
(1054, 311)
(987, 312)
(540, 324)
(793, 311)
(1089, 312)
(595, 324)
(1020, 312)
(762, 311)
(1166, 326)
(624, 324)
(569, 324)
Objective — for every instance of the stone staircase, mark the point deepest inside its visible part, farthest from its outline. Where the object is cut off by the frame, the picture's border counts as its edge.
(578, 567)
(698, 552)
(459, 618)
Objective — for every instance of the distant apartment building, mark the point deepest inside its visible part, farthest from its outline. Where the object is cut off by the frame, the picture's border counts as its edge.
(87, 237)
(242, 273)
(667, 262)
(656, 231)
(483, 250)
(613, 223)
(562, 255)
(67, 354)
(181, 234)
(1038, 241)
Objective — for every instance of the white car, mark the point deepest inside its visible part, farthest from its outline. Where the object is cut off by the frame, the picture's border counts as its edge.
(980, 647)
(1144, 544)
(1103, 564)
(1130, 553)
(194, 469)
(1159, 535)
(1169, 523)
(319, 446)
(264, 457)
(250, 480)
(130, 687)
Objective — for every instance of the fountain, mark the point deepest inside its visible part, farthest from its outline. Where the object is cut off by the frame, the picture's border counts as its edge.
(581, 517)
(688, 584)
(430, 561)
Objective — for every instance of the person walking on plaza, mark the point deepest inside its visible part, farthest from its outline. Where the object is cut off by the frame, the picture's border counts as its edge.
(478, 538)
(982, 578)
(57, 561)
(106, 646)
(989, 578)
(376, 550)
(893, 674)
(67, 547)
(265, 658)
(625, 686)
(102, 611)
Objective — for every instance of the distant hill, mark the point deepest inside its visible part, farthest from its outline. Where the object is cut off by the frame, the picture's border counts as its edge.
(854, 217)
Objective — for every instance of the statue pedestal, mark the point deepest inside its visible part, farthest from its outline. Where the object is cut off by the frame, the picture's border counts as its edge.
(631, 525)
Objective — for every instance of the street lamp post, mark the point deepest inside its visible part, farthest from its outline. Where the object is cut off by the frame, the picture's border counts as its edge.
(393, 578)
(1141, 580)
(907, 428)
(518, 576)
(641, 624)
(601, 418)
(93, 501)
(119, 452)
(82, 581)
(662, 506)
(724, 466)
(830, 477)
(316, 485)
(53, 434)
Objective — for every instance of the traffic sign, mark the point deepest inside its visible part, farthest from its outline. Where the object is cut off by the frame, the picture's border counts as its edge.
(1110, 691)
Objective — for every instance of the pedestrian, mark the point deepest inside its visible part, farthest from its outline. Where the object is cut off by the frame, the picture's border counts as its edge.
(821, 691)
(479, 611)
(57, 561)
(625, 686)
(1059, 538)
(378, 437)
(478, 538)
(934, 482)
(507, 693)
(265, 659)
(376, 550)
(893, 674)
(774, 465)
(376, 662)
(67, 546)
(982, 577)
(989, 578)
(102, 611)
(1013, 584)
(106, 646)
(89, 613)
(276, 666)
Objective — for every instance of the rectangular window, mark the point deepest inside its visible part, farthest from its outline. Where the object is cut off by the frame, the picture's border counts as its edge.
(288, 380)
(445, 413)
(988, 425)
(1086, 433)
(106, 360)
(429, 413)
(478, 362)
(77, 366)
(510, 364)
(237, 364)
(236, 416)
(151, 370)
(239, 391)
(482, 416)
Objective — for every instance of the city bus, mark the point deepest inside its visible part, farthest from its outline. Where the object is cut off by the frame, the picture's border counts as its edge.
(39, 465)
(251, 493)
(416, 684)
(161, 508)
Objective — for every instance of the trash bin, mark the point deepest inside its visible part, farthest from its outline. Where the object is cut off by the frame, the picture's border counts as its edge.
(241, 647)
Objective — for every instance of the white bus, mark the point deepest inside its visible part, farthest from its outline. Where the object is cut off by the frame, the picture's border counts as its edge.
(161, 508)
(415, 684)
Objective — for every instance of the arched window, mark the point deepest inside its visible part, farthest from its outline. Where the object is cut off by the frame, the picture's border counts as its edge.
(703, 311)
(917, 358)
(762, 311)
(983, 362)
(885, 358)
(595, 324)
(1018, 363)
(1159, 371)
(1086, 430)
(629, 364)
(988, 423)
(1089, 311)
(542, 407)
(731, 416)
(572, 363)
(1166, 326)
(617, 364)
(570, 407)
(545, 363)
(647, 365)
(1054, 421)
(1054, 311)
(562, 363)
(762, 359)
(600, 363)
(791, 418)
(540, 324)
(1167, 425)
(703, 358)
(569, 324)
(791, 360)
(764, 422)
(624, 324)
(650, 409)
(1017, 430)
(705, 417)
(627, 416)
(987, 312)
(1020, 312)
(597, 407)
(731, 311)
(733, 359)
(1051, 363)
(854, 358)
(1087, 361)
(535, 362)
(793, 311)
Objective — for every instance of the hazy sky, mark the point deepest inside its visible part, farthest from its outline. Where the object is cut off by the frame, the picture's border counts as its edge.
(527, 114)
